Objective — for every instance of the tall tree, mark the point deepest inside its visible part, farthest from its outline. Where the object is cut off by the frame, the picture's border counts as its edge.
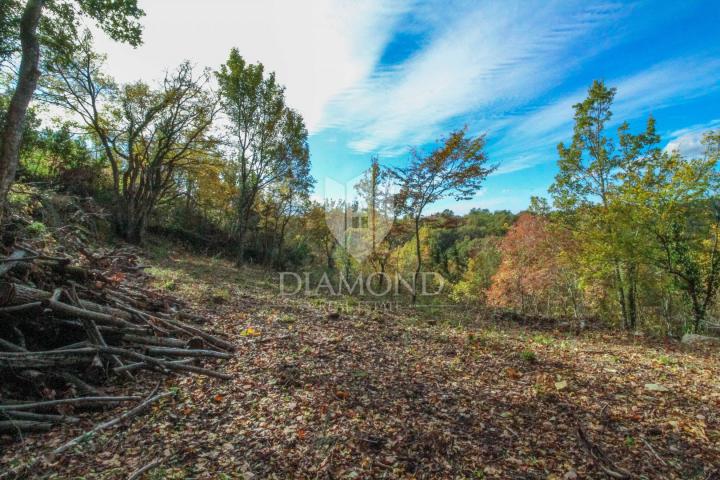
(49, 24)
(288, 197)
(675, 201)
(533, 273)
(590, 171)
(376, 200)
(147, 134)
(456, 168)
(317, 230)
(264, 135)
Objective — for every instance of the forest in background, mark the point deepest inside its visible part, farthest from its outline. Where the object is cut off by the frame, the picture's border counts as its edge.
(216, 159)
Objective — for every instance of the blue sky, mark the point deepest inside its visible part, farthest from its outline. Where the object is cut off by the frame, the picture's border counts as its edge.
(376, 77)
(513, 71)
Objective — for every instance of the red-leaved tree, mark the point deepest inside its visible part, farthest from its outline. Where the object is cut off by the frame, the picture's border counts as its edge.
(533, 277)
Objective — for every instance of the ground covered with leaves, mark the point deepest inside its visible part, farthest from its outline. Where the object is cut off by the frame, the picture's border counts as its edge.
(402, 394)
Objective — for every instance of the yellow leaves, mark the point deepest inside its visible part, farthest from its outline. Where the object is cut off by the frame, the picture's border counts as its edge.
(250, 332)
(655, 387)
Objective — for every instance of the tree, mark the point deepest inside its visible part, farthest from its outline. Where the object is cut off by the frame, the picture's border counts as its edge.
(265, 136)
(376, 204)
(590, 171)
(533, 275)
(284, 200)
(49, 24)
(480, 268)
(456, 168)
(675, 201)
(317, 230)
(147, 134)
(525, 270)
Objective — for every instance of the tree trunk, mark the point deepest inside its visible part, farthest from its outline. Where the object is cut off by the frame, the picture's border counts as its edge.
(632, 296)
(28, 75)
(419, 259)
(381, 278)
(129, 223)
(329, 254)
(698, 310)
(621, 296)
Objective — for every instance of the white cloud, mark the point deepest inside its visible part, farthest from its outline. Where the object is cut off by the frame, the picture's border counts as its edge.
(495, 56)
(688, 141)
(318, 49)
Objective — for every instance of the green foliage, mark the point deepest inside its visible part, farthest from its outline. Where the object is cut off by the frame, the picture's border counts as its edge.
(592, 169)
(528, 356)
(269, 146)
(543, 339)
(675, 204)
(482, 263)
(36, 229)
(147, 135)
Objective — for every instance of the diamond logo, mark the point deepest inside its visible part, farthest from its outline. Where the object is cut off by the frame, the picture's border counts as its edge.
(359, 213)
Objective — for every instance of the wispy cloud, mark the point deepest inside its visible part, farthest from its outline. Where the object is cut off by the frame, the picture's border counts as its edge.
(318, 49)
(532, 140)
(492, 57)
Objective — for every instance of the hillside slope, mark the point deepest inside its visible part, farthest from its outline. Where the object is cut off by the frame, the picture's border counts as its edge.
(386, 395)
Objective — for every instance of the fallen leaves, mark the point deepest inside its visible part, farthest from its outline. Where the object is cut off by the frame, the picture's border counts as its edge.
(399, 399)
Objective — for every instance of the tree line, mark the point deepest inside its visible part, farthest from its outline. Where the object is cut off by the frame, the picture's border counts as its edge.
(633, 235)
(218, 160)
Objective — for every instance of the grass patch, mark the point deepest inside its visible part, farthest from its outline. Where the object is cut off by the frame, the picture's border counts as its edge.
(528, 356)
(543, 339)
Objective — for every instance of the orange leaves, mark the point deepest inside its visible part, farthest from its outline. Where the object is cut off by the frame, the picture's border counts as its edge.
(342, 394)
(117, 277)
(529, 268)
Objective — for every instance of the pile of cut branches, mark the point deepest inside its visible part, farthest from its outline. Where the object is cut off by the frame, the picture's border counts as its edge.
(69, 326)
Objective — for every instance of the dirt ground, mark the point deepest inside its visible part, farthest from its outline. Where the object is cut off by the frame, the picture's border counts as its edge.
(388, 394)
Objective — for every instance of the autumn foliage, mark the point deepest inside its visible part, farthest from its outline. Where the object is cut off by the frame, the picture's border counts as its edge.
(529, 269)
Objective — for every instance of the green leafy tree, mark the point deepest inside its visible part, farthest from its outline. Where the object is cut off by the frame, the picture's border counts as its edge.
(51, 25)
(147, 134)
(591, 168)
(265, 137)
(675, 201)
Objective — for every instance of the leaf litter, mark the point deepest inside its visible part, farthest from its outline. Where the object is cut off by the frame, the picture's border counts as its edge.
(367, 394)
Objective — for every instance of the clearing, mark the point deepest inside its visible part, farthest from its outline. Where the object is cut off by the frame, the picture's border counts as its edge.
(373, 394)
